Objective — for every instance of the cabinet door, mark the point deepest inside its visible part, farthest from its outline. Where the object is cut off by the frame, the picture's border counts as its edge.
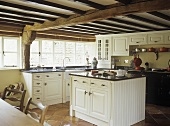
(167, 38)
(138, 39)
(99, 104)
(53, 89)
(99, 42)
(156, 38)
(80, 98)
(120, 46)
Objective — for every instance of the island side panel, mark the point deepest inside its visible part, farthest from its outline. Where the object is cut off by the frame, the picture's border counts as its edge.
(128, 101)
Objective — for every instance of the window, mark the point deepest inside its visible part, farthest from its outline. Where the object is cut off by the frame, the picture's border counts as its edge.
(10, 53)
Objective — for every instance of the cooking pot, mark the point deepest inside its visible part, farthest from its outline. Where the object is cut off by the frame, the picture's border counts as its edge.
(168, 69)
(151, 49)
(163, 49)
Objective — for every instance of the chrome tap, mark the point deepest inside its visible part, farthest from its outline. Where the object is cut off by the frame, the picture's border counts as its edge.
(64, 60)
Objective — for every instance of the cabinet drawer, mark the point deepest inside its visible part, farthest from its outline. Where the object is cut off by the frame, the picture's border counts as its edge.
(37, 90)
(52, 76)
(37, 76)
(81, 80)
(155, 38)
(37, 83)
(138, 39)
(99, 83)
(37, 98)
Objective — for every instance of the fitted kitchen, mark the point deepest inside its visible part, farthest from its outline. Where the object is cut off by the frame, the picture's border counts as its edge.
(107, 61)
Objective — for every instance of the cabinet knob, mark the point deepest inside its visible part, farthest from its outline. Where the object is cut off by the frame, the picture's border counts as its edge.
(85, 92)
(68, 84)
(90, 93)
(102, 85)
(47, 75)
(137, 42)
(75, 80)
(37, 98)
(45, 84)
(38, 90)
(59, 74)
(84, 81)
(38, 83)
(37, 76)
(92, 83)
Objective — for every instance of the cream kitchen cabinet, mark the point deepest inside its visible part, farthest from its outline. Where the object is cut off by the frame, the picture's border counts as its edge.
(120, 46)
(103, 50)
(156, 38)
(139, 39)
(167, 38)
(91, 97)
(44, 87)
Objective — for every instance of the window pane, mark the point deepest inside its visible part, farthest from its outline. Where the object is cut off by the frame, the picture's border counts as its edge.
(35, 46)
(71, 61)
(80, 59)
(58, 59)
(10, 45)
(47, 46)
(59, 47)
(70, 47)
(34, 59)
(79, 48)
(10, 59)
(47, 59)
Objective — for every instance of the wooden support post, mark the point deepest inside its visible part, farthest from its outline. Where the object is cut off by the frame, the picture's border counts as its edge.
(27, 38)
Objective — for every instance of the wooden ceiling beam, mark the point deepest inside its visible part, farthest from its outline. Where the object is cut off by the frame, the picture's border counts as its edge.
(91, 4)
(58, 6)
(13, 34)
(16, 22)
(4, 3)
(124, 1)
(23, 18)
(140, 7)
(147, 20)
(160, 15)
(27, 14)
(65, 38)
(11, 25)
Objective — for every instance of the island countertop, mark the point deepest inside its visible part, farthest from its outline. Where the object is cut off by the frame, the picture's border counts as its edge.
(109, 77)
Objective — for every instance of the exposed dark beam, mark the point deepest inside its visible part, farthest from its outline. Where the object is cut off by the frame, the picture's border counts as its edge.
(25, 19)
(10, 24)
(14, 34)
(27, 14)
(131, 23)
(16, 22)
(74, 31)
(91, 4)
(124, 1)
(103, 27)
(58, 6)
(32, 9)
(116, 25)
(147, 20)
(160, 15)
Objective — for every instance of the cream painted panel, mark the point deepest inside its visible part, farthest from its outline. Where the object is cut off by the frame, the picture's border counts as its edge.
(167, 38)
(156, 38)
(9, 77)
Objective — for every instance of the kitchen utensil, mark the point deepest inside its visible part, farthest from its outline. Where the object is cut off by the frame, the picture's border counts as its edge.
(137, 61)
(143, 50)
(163, 49)
(168, 69)
(151, 49)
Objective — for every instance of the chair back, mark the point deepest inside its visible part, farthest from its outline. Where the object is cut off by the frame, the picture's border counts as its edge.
(37, 116)
(14, 95)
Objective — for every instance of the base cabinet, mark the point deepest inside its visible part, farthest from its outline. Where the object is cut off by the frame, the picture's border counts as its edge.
(90, 98)
(44, 87)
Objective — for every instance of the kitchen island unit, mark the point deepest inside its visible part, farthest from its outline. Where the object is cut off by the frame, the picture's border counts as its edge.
(109, 100)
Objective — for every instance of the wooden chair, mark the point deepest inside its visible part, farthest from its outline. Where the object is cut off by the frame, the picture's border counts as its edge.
(15, 96)
(38, 117)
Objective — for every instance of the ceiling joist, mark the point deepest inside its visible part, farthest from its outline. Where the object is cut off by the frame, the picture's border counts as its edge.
(145, 6)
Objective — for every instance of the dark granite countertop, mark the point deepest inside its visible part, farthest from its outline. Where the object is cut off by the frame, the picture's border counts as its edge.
(112, 78)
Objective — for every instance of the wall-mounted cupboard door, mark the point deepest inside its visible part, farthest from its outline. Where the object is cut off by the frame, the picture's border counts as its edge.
(138, 39)
(157, 38)
(167, 38)
(120, 46)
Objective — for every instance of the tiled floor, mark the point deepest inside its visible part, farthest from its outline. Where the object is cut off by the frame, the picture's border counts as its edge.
(58, 115)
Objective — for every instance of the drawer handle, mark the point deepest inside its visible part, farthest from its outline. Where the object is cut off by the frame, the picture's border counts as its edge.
(38, 90)
(84, 81)
(103, 85)
(38, 83)
(59, 74)
(155, 41)
(68, 84)
(45, 84)
(90, 93)
(85, 92)
(92, 83)
(37, 98)
(47, 75)
(37, 76)
(75, 80)
(137, 42)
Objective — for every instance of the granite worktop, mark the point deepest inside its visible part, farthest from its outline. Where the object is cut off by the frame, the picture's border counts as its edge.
(108, 77)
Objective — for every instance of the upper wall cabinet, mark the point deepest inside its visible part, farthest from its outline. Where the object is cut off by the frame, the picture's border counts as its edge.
(104, 49)
(138, 39)
(167, 38)
(156, 38)
(120, 46)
